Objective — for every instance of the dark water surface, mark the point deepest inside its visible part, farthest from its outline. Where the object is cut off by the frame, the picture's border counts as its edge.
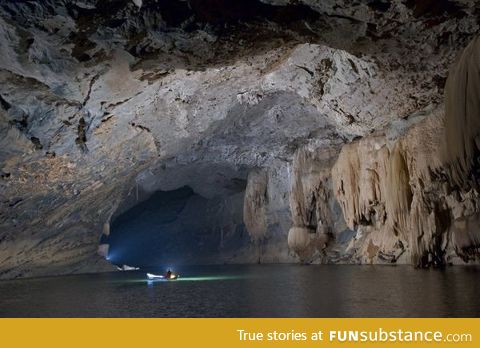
(252, 291)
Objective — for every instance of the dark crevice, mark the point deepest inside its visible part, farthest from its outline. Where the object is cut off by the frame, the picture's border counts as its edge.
(81, 45)
(354, 67)
(310, 72)
(379, 5)
(90, 86)
(233, 11)
(36, 142)
(113, 105)
(15, 201)
(350, 19)
(21, 124)
(81, 139)
(434, 8)
(108, 117)
(133, 124)
(5, 105)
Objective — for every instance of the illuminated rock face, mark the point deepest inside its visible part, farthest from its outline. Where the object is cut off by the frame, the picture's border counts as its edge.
(103, 105)
(391, 191)
(409, 191)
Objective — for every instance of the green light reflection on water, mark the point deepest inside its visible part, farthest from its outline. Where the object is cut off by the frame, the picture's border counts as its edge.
(183, 279)
(201, 279)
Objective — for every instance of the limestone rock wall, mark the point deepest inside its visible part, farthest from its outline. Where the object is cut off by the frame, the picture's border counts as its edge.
(418, 192)
(266, 215)
(409, 192)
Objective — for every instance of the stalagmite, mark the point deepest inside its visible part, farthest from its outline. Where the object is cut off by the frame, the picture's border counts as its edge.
(305, 242)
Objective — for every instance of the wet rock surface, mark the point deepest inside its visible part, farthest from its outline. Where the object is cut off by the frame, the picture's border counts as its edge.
(103, 103)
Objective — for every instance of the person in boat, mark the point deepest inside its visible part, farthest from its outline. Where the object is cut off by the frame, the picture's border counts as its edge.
(168, 275)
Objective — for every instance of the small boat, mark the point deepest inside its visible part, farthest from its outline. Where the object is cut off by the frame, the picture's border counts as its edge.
(128, 268)
(151, 276)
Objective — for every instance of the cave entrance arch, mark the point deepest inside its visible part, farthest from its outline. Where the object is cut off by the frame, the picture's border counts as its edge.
(178, 227)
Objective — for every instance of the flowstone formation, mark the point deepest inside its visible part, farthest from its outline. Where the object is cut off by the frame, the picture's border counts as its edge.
(411, 191)
(309, 131)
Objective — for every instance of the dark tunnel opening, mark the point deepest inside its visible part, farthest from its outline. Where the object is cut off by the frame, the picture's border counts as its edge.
(178, 227)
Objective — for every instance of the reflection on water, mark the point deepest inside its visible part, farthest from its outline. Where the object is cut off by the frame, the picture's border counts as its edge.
(252, 291)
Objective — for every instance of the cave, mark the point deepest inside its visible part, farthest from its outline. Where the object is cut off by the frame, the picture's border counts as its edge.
(213, 132)
(177, 227)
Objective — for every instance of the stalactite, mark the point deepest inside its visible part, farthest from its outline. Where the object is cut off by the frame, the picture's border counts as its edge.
(398, 194)
(424, 180)
(359, 180)
(462, 121)
(309, 203)
(397, 191)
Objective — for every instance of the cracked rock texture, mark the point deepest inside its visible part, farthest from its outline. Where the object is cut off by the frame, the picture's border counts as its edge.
(324, 120)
